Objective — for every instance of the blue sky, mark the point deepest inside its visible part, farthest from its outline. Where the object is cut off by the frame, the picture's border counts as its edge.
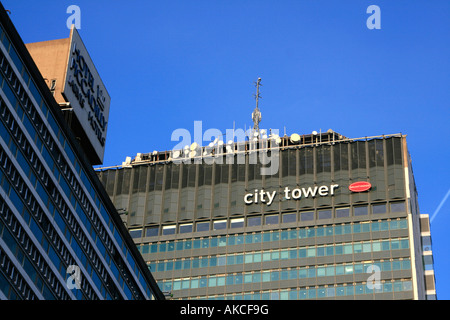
(167, 64)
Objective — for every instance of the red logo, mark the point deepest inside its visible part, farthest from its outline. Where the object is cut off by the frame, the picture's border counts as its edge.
(360, 186)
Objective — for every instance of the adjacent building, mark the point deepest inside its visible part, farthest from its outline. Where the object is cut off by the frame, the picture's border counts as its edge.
(60, 235)
(338, 218)
(77, 87)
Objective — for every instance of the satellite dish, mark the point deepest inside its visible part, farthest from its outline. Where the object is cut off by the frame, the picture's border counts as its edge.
(176, 154)
(194, 146)
(193, 153)
(295, 138)
(220, 143)
(230, 142)
(264, 136)
(211, 144)
(314, 132)
(155, 153)
(278, 140)
(263, 131)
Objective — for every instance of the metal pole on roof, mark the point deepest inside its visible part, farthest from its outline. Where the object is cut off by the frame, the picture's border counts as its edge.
(256, 114)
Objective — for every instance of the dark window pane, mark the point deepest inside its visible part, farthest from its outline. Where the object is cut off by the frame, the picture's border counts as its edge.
(307, 216)
(253, 221)
(292, 166)
(323, 159)
(151, 232)
(203, 226)
(168, 230)
(184, 228)
(272, 219)
(358, 153)
(379, 208)
(289, 217)
(219, 225)
(397, 207)
(360, 211)
(342, 212)
(201, 175)
(237, 223)
(324, 214)
(136, 233)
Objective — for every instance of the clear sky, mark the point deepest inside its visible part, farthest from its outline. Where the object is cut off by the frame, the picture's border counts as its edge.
(169, 63)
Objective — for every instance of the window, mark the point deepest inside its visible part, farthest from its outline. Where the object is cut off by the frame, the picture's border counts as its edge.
(426, 243)
(202, 226)
(324, 214)
(378, 208)
(136, 233)
(289, 217)
(360, 211)
(151, 232)
(387, 287)
(397, 207)
(272, 219)
(342, 212)
(254, 221)
(237, 223)
(219, 224)
(186, 228)
(166, 230)
(307, 216)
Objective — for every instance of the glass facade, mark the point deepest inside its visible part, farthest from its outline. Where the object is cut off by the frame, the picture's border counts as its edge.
(315, 240)
(59, 238)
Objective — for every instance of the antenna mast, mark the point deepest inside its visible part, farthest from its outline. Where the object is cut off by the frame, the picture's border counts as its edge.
(256, 114)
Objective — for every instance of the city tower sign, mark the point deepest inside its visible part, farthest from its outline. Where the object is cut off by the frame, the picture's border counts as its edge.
(267, 197)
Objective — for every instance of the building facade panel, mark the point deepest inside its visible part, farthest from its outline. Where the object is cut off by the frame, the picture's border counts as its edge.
(299, 233)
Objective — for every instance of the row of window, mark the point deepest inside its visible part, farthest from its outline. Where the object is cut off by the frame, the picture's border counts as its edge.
(27, 254)
(29, 206)
(66, 170)
(270, 219)
(16, 189)
(283, 274)
(279, 254)
(268, 236)
(340, 290)
(41, 178)
(12, 283)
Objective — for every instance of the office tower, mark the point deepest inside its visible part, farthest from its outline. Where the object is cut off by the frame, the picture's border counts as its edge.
(60, 235)
(333, 218)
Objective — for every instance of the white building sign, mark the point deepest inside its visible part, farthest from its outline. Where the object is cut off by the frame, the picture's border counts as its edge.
(87, 95)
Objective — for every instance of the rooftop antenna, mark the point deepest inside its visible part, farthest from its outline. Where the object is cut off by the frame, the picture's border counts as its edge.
(256, 114)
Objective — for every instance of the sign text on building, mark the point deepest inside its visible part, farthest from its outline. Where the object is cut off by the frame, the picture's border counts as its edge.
(87, 94)
(267, 197)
